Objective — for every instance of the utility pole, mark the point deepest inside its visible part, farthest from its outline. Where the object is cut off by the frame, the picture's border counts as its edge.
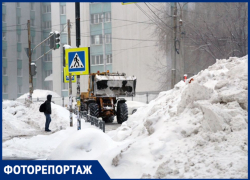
(78, 42)
(70, 80)
(173, 76)
(103, 41)
(29, 53)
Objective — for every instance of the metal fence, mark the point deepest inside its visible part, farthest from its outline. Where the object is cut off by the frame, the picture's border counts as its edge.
(93, 120)
(144, 97)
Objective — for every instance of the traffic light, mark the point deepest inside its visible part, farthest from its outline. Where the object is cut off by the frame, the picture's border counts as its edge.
(52, 40)
(57, 40)
(33, 69)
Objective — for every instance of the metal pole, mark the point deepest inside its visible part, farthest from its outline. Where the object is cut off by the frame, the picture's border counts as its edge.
(78, 42)
(70, 82)
(70, 100)
(103, 41)
(173, 81)
(30, 77)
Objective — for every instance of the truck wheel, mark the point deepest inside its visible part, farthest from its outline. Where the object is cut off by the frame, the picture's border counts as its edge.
(84, 107)
(108, 119)
(122, 112)
(93, 109)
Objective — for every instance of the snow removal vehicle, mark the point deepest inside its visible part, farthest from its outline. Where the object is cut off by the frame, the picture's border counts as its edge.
(105, 96)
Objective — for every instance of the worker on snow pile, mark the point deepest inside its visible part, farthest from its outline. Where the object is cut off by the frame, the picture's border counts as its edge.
(47, 112)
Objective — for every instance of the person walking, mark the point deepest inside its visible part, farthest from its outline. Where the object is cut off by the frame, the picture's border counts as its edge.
(47, 112)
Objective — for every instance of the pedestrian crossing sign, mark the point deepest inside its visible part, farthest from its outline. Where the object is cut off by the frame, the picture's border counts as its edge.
(66, 76)
(77, 61)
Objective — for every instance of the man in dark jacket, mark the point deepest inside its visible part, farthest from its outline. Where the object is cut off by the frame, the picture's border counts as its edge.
(47, 112)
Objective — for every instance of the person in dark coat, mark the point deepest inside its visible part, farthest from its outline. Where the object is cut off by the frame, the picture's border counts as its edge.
(47, 112)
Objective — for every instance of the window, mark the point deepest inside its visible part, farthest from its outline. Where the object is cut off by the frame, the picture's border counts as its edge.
(19, 89)
(108, 38)
(63, 27)
(3, 18)
(32, 22)
(47, 24)
(46, 8)
(18, 38)
(62, 9)
(96, 60)
(32, 6)
(107, 16)
(4, 36)
(4, 71)
(48, 72)
(93, 60)
(19, 72)
(3, 53)
(18, 5)
(19, 55)
(18, 20)
(97, 39)
(32, 39)
(109, 58)
(47, 57)
(3, 3)
(96, 18)
(5, 88)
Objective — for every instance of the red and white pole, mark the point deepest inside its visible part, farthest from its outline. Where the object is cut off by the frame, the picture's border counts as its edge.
(185, 77)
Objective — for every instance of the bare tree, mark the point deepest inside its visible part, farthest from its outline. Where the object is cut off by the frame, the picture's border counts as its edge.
(205, 32)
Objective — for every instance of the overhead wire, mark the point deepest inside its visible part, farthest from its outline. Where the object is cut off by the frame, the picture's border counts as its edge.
(151, 18)
(157, 16)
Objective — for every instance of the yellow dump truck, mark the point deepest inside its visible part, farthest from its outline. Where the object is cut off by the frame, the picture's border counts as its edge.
(105, 96)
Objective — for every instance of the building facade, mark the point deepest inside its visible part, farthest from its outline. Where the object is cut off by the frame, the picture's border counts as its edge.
(117, 34)
(15, 77)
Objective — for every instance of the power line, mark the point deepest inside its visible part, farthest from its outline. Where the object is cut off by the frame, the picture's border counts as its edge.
(149, 17)
(160, 10)
(15, 25)
(122, 38)
(158, 16)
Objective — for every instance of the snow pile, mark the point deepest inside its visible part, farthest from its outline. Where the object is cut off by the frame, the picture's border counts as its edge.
(196, 130)
(23, 130)
(38, 93)
(132, 105)
(19, 120)
(88, 143)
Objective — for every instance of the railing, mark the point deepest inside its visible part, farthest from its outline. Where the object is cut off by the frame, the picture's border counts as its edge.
(93, 120)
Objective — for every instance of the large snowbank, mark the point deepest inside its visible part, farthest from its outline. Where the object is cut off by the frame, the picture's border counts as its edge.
(196, 130)
(39, 93)
(20, 120)
(23, 129)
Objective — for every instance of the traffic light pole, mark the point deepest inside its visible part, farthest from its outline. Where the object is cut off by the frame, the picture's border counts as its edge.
(70, 82)
(78, 42)
(30, 76)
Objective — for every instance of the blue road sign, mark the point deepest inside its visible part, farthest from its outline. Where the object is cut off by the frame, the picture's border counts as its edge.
(72, 78)
(76, 61)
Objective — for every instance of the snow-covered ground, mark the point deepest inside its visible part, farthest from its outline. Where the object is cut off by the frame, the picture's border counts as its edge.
(23, 129)
(196, 130)
(20, 120)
